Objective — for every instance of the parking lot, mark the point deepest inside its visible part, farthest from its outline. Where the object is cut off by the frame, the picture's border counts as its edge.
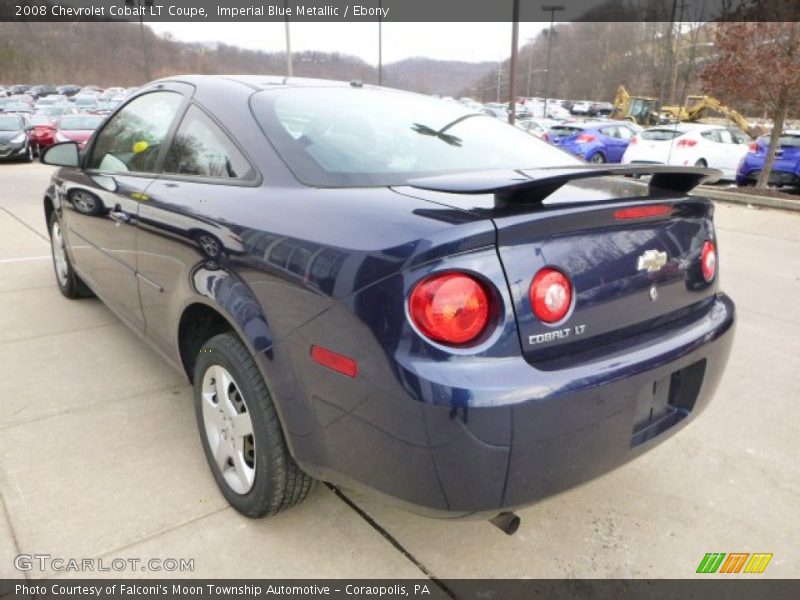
(100, 457)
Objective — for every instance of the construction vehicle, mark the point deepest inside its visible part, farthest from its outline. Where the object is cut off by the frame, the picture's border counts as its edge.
(698, 107)
(641, 110)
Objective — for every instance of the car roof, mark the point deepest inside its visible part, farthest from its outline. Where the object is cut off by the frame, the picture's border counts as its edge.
(263, 82)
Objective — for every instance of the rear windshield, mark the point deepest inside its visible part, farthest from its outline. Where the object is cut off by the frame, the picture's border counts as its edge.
(660, 135)
(10, 123)
(791, 140)
(338, 137)
(562, 130)
(80, 122)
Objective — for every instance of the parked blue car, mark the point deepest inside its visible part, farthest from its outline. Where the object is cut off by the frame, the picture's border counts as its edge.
(602, 142)
(785, 170)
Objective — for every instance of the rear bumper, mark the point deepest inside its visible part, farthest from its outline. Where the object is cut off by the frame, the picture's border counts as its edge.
(517, 433)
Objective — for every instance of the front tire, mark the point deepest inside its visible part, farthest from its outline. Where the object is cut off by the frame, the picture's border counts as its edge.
(701, 163)
(67, 279)
(240, 431)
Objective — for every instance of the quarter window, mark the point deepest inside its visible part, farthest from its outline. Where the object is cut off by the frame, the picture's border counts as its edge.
(130, 141)
(201, 149)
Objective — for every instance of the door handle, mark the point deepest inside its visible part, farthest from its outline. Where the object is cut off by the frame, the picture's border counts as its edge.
(119, 215)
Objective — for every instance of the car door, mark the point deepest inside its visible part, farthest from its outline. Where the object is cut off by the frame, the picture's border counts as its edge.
(625, 134)
(612, 143)
(189, 223)
(101, 200)
(735, 147)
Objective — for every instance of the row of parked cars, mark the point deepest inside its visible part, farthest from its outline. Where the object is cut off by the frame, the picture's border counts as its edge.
(579, 128)
(680, 144)
(33, 118)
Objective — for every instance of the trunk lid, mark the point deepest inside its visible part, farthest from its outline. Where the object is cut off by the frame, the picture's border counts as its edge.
(579, 231)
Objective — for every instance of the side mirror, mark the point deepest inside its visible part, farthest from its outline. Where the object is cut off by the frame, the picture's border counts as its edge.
(64, 154)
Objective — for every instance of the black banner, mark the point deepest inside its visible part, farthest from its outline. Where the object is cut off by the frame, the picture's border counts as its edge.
(715, 588)
(397, 10)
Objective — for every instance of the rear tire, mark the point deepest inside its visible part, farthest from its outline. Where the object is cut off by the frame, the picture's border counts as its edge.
(241, 435)
(701, 163)
(67, 279)
(597, 159)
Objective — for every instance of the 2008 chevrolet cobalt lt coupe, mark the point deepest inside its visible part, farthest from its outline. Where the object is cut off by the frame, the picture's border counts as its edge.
(376, 288)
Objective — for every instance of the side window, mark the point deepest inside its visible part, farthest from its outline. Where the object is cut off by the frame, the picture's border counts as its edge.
(712, 135)
(130, 141)
(625, 133)
(725, 136)
(610, 132)
(739, 136)
(201, 149)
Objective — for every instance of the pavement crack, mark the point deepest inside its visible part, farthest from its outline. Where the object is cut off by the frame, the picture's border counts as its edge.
(392, 540)
(23, 223)
(10, 525)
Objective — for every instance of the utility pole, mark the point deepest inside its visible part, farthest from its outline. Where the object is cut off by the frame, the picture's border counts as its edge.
(380, 43)
(499, 76)
(288, 41)
(512, 84)
(552, 9)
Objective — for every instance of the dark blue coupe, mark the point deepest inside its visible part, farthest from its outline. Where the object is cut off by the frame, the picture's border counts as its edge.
(380, 289)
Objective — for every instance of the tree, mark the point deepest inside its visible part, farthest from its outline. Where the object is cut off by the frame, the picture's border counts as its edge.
(758, 64)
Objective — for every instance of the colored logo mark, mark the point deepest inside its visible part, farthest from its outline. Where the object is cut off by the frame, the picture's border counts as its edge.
(735, 562)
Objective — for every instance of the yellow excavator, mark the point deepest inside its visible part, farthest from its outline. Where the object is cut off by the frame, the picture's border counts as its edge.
(698, 107)
(644, 111)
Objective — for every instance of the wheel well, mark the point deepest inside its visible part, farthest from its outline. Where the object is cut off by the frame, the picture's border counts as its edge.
(48, 210)
(198, 324)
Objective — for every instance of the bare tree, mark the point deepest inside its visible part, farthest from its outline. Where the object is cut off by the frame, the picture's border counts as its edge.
(758, 63)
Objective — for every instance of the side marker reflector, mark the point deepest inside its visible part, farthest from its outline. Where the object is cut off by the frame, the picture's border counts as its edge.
(337, 362)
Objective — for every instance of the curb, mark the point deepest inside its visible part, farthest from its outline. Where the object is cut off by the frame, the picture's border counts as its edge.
(747, 199)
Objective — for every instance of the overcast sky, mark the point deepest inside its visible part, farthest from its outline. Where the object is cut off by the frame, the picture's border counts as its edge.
(446, 41)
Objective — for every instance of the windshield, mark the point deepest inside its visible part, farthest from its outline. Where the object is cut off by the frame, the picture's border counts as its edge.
(86, 101)
(10, 123)
(361, 137)
(80, 122)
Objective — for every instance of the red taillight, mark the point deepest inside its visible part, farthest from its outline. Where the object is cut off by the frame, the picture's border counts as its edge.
(686, 143)
(708, 261)
(753, 148)
(328, 358)
(544, 137)
(643, 212)
(450, 307)
(585, 138)
(551, 295)
(634, 140)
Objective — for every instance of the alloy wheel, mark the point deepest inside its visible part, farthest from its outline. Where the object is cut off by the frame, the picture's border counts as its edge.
(59, 254)
(228, 429)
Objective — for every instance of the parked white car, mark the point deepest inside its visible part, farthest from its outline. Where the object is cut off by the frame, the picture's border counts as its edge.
(581, 107)
(687, 145)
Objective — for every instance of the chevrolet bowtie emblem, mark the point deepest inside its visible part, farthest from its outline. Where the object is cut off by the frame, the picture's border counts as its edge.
(651, 261)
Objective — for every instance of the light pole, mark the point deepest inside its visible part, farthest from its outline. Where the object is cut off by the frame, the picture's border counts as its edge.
(138, 4)
(552, 9)
(512, 84)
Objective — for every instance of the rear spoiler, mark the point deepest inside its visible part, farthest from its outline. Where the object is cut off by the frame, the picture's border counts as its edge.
(532, 186)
